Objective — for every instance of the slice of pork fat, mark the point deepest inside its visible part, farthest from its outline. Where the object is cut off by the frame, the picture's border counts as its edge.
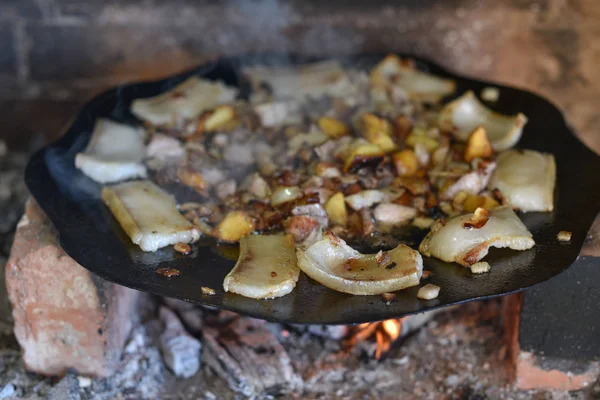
(453, 242)
(148, 215)
(114, 153)
(526, 179)
(338, 266)
(266, 268)
(393, 71)
(463, 115)
(185, 101)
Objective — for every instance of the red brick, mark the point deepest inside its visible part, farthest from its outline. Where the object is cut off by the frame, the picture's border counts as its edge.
(65, 317)
(530, 375)
(511, 318)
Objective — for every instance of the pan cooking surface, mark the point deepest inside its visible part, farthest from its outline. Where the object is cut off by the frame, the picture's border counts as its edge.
(94, 239)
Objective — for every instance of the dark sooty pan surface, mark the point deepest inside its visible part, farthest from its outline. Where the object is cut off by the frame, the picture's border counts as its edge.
(92, 237)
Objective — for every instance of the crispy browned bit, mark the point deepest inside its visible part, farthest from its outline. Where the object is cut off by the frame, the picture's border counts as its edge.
(431, 201)
(416, 186)
(274, 217)
(168, 272)
(300, 226)
(332, 238)
(363, 161)
(426, 274)
(402, 127)
(183, 248)
(333, 184)
(273, 274)
(200, 126)
(482, 165)
(354, 223)
(352, 189)
(421, 174)
(478, 220)
(305, 154)
(207, 291)
(366, 219)
(383, 258)
(437, 225)
(564, 236)
(192, 179)
(497, 194)
(287, 178)
(308, 198)
(406, 162)
(405, 199)
(388, 297)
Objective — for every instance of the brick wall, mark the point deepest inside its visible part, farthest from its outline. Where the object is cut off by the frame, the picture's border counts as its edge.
(58, 53)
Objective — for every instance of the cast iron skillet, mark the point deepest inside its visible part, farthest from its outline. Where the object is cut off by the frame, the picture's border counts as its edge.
(91, 236)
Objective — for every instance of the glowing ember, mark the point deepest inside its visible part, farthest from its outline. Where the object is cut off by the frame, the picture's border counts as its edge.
(384, 333)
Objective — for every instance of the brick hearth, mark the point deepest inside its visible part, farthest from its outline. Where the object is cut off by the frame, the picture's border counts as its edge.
(65, 317)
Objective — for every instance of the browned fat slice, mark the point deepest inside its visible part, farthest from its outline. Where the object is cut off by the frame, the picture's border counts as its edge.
(183, 102)
(457, 242)
(148, 215)
(266, 267)
(338, 266)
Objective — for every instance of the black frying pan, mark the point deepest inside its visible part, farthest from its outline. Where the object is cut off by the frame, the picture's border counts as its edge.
(91, 236)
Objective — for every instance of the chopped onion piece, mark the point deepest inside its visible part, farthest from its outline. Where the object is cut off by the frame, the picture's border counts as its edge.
(365, 198)
(283, 194)
(564, 236)
(393, 214)
(428, 292)
(490, 93)
(278, 113)
(480, 267)
(164, 148)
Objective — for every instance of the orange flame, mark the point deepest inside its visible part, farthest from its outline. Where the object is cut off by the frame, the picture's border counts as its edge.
(384, 332)
(392, 327)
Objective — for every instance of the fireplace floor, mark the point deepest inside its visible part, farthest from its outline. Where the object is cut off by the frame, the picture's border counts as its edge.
(458, 354)
(454, 356)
